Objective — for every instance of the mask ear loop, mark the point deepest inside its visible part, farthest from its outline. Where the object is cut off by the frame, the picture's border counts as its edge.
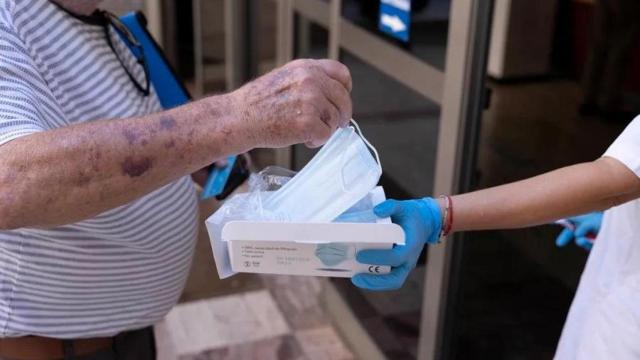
(367, 144)
(371, 147)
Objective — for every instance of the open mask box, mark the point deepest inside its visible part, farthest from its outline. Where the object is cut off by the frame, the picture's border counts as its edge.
(302, 248)
(314, 224)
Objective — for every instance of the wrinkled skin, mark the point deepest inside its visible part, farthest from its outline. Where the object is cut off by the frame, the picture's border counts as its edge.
(286, 103)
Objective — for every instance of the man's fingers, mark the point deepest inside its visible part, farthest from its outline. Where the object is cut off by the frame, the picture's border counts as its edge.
(337, 71)
(318, 134)
(329, 114)
(341, 99)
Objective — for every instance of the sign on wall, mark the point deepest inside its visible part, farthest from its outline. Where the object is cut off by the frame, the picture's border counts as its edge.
(395, 18)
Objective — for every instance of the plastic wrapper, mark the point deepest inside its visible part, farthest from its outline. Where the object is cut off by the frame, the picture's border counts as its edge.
(249, 206)
(270, 178)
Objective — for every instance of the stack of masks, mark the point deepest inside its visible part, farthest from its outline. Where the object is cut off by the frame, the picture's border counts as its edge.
(333, 186)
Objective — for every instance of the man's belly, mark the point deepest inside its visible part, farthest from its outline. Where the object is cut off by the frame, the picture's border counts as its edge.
(123, 269)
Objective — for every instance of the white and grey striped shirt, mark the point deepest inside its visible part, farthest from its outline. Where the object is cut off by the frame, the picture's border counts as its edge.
(123, 269)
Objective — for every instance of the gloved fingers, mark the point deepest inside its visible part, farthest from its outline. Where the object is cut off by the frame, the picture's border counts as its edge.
(387, 208)
(391, 281)
(391, 257)
(585, 228)
(564, 238)
(584, 243)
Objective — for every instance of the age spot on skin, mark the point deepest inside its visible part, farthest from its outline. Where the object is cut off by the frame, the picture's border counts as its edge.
(10, 177)
(136, 167)
(132, 136)
(82, 179)
(167, 122)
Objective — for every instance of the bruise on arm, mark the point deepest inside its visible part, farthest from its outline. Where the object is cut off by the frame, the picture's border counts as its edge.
(67, 174)
(136, 166)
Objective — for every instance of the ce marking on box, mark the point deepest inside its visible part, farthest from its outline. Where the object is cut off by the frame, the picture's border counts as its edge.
(374, 269)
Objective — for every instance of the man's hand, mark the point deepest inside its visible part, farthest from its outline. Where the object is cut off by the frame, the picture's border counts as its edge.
(304, 101)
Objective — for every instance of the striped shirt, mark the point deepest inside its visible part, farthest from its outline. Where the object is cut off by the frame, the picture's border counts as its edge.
(123, 269)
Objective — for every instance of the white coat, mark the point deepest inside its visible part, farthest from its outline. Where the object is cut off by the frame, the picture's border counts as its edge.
(604, 320)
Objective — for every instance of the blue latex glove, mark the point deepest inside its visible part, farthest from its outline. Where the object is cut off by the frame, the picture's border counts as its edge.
(585, 224)
(421, 220)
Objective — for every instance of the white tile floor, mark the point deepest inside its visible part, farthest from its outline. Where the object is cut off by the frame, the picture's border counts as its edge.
(248, 325)
(322, 344)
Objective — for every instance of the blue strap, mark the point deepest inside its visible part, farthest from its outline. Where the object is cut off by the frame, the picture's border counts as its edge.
(163, 79)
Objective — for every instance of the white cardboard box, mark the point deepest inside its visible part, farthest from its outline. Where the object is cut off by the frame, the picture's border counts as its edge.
(316, 249)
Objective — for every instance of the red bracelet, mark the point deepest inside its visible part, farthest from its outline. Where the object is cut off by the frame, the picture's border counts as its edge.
(449, 223)
(447, 218)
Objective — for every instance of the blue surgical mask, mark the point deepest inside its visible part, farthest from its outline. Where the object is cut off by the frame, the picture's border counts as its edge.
(333, 254)
(362, 216)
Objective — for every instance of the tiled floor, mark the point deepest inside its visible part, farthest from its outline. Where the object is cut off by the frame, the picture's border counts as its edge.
(250, 325)
(247, 316)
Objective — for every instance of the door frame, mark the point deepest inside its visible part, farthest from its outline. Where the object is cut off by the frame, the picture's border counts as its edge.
(465, 96)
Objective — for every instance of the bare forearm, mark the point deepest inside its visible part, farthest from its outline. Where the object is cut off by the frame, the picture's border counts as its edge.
(65, 175)
(73, 173)
(568, 191)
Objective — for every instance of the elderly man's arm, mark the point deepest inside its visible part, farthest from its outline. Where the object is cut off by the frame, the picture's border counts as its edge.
(72, 173)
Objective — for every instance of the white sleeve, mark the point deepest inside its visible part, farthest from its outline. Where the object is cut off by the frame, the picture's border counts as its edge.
(626, 148)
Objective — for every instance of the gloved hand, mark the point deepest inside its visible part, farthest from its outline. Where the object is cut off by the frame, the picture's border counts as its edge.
(421, 220)
(585, 224)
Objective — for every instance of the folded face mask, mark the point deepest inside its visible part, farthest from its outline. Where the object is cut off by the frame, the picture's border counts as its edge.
(362, 216)
(338, 176)
(333, 254)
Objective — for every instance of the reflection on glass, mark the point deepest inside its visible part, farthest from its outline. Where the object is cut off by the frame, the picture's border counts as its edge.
(428, 30)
